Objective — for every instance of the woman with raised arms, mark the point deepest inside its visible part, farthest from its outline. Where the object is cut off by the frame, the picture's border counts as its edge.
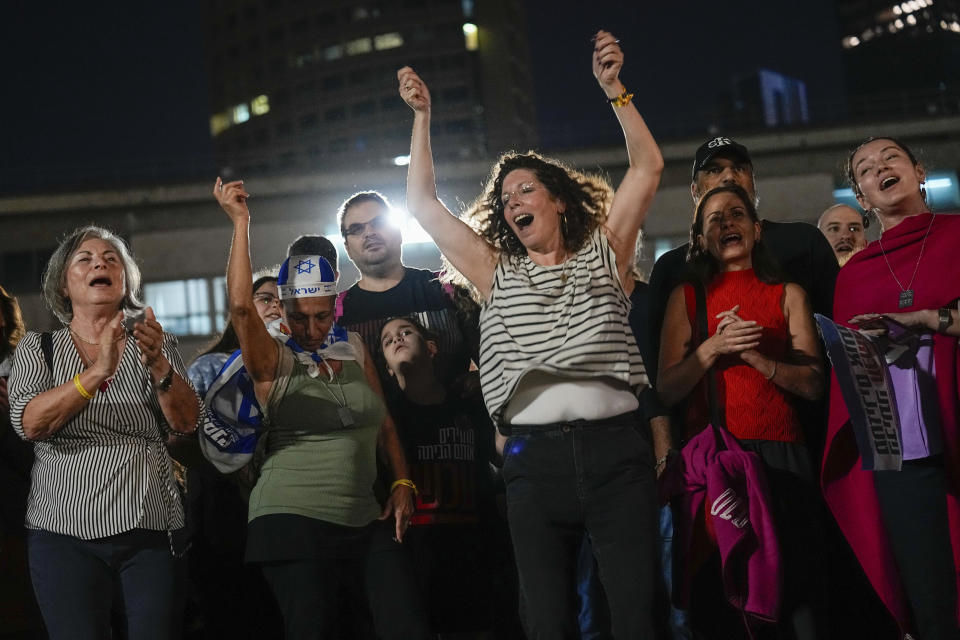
(559, 367)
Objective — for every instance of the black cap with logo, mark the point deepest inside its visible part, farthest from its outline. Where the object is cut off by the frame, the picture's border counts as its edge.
(719, 146)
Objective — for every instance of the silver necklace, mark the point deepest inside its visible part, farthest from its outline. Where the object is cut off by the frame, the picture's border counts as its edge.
(906, 295)
(343, 411)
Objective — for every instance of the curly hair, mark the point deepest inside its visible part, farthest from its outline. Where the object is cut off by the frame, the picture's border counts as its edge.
(12, 330)
(705, 266)
(587, 199)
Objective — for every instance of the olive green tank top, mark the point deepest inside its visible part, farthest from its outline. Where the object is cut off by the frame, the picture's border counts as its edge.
(314, 465)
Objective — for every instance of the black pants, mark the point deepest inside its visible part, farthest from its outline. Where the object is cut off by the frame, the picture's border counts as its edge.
(914, 509)
(567, 479)
(309, 593)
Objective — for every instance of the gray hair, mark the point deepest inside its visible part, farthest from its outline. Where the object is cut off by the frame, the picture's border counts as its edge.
(55, 275)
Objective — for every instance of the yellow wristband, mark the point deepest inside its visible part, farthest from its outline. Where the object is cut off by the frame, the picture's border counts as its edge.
(621, 100)
(76, 382)
(404, 482)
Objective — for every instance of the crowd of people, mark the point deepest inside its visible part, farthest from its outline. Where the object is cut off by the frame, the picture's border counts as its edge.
(535, 443)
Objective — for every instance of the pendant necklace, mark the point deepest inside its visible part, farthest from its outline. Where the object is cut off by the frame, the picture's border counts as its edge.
(343, 411)
(906, 295)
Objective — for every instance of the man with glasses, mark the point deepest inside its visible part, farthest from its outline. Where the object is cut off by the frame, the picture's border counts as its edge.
(387, 289)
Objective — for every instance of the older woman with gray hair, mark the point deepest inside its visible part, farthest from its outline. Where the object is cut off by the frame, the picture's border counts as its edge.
(98, 398)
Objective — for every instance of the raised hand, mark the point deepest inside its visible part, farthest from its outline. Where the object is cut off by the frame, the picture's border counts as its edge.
(413, 90)
(232, 198)
(607, 61)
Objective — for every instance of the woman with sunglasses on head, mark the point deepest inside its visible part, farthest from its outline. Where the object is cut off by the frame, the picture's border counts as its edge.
(904, 526)
(559, 366)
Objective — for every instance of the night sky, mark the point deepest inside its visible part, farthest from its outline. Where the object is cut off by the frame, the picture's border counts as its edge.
(105, 92)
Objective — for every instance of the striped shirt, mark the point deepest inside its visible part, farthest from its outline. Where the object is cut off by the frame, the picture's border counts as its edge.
(107, 470)
(567, 320)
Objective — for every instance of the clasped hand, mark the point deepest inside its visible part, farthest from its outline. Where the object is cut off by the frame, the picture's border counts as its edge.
(735, 335)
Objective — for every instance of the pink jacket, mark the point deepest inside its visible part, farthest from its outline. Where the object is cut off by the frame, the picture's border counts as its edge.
(734, 485)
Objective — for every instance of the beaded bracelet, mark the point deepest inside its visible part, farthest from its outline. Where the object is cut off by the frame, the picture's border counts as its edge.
(404, 482)
(86, 394)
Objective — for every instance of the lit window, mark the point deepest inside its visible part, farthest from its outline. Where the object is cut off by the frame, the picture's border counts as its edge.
(471, 39)
(182, 306)
(260, 105)
(241, 113)
(387, 41)
(219, 122)
(333, 52)
(358, 46)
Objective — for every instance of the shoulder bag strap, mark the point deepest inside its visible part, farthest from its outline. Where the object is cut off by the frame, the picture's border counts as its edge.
(46, 346)
(716, 419)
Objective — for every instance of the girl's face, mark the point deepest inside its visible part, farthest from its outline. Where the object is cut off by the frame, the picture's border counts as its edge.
(267, 302)
(886, 177)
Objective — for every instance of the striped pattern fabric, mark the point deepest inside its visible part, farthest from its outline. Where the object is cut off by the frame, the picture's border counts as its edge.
(107, 470)
(567, 320)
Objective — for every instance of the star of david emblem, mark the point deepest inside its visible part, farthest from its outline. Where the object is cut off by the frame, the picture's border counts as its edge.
(305, 266)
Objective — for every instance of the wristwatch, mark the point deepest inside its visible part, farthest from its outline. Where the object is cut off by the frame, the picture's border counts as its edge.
(163, 384)
(945, 319)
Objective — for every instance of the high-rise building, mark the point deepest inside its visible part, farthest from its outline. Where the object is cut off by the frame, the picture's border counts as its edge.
(299, 86)
(901, 56)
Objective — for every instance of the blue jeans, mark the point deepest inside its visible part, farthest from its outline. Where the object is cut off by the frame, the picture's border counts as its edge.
(564, 480)
(75, 581)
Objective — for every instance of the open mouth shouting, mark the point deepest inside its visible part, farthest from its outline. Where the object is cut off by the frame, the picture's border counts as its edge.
(843, 247)
(523, 220)
(888, 182)
(728, 239)
(101, 281)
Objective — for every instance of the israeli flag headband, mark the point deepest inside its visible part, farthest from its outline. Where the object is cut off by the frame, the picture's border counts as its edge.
(306, 277)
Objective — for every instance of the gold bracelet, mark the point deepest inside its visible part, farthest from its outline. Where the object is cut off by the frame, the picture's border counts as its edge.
(404, 482)
(76, 382)
(621, 100)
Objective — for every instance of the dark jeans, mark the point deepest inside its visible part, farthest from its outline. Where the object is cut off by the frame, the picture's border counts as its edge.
(312, 594)
(914, 509)
(75, 581)
(567, 479)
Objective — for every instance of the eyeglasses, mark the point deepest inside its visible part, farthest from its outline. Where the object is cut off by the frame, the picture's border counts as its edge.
(358, 228)
(266, 299)
(526, 187)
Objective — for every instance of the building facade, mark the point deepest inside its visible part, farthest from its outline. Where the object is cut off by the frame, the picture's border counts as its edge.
(299, 86)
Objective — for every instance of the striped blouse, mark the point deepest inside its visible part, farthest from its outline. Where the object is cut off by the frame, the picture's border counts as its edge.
(567, 320)
(107, 470)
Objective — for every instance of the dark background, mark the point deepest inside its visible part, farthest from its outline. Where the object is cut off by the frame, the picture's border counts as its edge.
(108, 92)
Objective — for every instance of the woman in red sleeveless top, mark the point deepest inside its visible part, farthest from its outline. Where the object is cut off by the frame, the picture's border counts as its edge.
(762, 348)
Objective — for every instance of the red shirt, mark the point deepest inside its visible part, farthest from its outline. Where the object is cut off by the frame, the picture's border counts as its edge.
(753, 407)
